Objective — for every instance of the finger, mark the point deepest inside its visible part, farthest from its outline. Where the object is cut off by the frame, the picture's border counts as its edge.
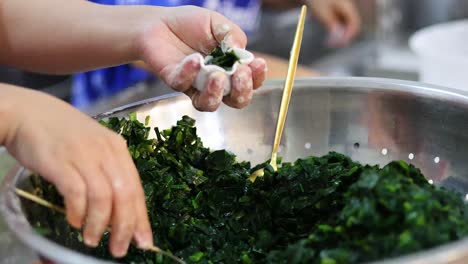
(223, 29)
(326, 16)
(125, 186)
(99, 210)
(259, 70)
(337, 37)
(123, 221)
(72, 187)
(351, 19)
(143, 234)
(241, 89)
(211, 97)
(75, 200)
(182, 76)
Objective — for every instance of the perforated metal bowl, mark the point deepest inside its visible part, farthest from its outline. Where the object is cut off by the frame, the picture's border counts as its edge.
(371, 120)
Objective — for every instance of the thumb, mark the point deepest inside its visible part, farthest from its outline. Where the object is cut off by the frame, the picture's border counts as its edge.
(225, 30)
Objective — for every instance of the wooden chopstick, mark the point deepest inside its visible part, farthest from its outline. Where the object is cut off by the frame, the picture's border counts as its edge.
(40, 201)
(288, 85)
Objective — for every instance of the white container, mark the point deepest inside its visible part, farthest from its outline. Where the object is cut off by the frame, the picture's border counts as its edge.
(443, 53)
(245, 57)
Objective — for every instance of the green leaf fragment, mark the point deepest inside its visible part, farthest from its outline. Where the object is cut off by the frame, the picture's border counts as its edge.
(43, 231)
(132, 117)
(197, 256)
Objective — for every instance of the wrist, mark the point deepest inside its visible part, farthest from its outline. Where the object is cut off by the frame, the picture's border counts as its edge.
(133, 22)
(115, 31)
(8, 103)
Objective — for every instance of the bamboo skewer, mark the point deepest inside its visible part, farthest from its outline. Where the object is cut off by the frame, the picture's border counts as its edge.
(40, 201)
(293, 60)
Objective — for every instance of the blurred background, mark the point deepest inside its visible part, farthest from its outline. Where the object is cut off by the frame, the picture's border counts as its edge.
(380, 50)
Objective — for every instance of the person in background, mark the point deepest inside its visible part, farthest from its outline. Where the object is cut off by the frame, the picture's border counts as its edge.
(340, 17)
(89, 164)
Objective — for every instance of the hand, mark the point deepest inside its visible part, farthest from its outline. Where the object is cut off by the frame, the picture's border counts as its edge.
(166, 46)
(340, 18)
(89, 164)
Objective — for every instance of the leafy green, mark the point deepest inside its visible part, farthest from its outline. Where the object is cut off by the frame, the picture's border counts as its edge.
(325, 210)
(42, 231)
(223, 58)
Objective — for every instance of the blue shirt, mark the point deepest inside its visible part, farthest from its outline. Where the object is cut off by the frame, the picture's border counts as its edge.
(91, 86)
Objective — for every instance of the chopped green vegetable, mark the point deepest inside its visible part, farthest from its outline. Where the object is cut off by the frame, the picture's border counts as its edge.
(326, 210)
(43, 231)
(197, 256)
(222, 58)
(147, 119)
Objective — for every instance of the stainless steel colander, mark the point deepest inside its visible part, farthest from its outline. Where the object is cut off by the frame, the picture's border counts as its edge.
(372, 120)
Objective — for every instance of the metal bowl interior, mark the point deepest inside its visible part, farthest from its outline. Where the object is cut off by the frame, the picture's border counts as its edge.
(372, 120)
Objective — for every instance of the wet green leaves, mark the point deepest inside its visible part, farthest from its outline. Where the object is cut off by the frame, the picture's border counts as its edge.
(324, 210)
(222, 58)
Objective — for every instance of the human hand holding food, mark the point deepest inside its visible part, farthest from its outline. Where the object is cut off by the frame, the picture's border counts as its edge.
(81, 36)
(89, 164)
(191, 30)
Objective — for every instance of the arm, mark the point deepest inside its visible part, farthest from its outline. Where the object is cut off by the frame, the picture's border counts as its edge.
(56, 36)
(52, 37)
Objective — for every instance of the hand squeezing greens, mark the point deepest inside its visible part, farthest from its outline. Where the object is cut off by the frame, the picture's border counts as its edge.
(323, 210)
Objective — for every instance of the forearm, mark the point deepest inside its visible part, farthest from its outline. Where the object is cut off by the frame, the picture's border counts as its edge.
(57, 36)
